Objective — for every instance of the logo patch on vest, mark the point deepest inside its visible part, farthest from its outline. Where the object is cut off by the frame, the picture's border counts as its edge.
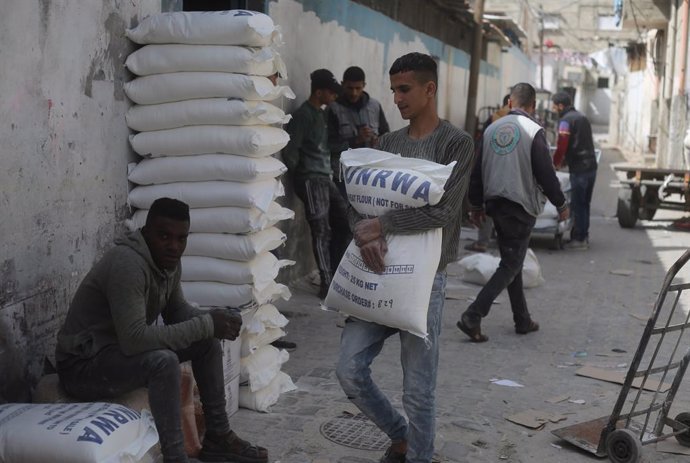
(505, 138)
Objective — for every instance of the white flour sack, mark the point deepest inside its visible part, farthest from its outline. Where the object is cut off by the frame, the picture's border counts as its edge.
(210, 194)
(378, 182)
(160, 59)
(267, 316)
(225, 219)
(263, 399)
(214, 294)
(205, 167)
(258, 369)
(251, 141)
(260, 271)
(233, 27)
(178, 86)
(234, 247)
(74, 433)
(204, 111)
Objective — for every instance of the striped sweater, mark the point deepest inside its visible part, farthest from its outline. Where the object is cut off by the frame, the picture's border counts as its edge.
(444, 145)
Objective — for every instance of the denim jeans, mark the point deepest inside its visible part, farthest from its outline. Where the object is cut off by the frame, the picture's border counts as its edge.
(111, 373)
(513, 228)
(326, 212)
(582, 186)
(362, 341)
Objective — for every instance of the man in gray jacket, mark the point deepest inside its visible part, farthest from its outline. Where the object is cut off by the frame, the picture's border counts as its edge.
(510, 179)
(112, 343)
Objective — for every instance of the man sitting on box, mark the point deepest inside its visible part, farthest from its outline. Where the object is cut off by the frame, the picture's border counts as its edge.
(112, 343)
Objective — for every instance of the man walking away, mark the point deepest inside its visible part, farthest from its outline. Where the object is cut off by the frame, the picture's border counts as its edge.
(509, 181)
(355, 120)
(309, 161)
(576, 144)
(414, 81)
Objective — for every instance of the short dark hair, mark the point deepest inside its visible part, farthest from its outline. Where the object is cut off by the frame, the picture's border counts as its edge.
(168, 208)
(523, 95)
(323, 79)
(353, 74)
(422, 65)
(562, 98)
(505, 99)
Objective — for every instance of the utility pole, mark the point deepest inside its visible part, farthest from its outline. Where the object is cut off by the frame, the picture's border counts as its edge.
(476, 58)
(541, 47)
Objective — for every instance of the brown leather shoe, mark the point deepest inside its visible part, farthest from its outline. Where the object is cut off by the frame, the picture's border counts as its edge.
(474, 332)
(394, 456)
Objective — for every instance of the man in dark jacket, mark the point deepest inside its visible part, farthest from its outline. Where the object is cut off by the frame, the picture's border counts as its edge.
(111, 342)
(309, 161)
(576, 144)
(511, 180)
(355, 120)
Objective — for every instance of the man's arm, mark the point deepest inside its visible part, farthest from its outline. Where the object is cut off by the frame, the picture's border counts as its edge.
(126, 296)
(562, 143)
(544, 173)
(296, 128)
(416, 220)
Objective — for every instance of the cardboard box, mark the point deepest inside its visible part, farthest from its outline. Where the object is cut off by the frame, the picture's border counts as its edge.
(231, 374)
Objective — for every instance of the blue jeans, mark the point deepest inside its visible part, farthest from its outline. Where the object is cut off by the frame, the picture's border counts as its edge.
(362, 341)
(582, 186)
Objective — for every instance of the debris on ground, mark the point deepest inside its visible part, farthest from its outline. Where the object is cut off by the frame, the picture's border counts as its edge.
(505, 382)
(535, 419)
(618, 377)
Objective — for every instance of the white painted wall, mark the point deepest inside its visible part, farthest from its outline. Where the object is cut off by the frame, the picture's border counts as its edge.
(63, 155)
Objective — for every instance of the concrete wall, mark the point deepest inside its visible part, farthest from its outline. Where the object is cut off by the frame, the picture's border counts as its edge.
(337, 34)
(64, 155)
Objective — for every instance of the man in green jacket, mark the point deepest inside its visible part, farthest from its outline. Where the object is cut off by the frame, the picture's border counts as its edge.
(308, 159)
(112, 342)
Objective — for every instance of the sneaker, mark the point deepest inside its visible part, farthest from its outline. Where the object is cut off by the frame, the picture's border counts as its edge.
(577, 245)
(231, 448)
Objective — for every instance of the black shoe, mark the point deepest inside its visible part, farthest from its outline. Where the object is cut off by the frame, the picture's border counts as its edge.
(231, 448)
(392, 456)
(287, 345)
(529, 328)
(473, 331)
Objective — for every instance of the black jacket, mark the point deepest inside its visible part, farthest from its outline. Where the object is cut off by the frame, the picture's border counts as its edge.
(580, 152)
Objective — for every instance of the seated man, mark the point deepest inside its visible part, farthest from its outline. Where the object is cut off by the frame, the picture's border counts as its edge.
(112, 343)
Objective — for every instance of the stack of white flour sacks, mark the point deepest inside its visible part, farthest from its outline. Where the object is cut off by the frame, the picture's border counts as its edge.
(207, 132)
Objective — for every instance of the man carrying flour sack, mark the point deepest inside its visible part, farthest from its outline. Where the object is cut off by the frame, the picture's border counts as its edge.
(414, 82)
(112, 343)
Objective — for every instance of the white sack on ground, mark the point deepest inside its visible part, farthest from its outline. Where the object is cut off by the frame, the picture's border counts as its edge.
(262, 400)
(205, 167)
(251, 342)
(250, 140)
(204, 111)
(479, 268)
(377, 182)
(234, 247)
(260, 271)
(75, 433)
(210, 194)
(266, 316)
(161, 59)
(233, 27)
(258, 369)
(225, 219)
(213, 294)
(178, 86)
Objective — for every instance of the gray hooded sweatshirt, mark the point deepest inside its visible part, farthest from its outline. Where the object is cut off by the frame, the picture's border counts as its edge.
(119, 301)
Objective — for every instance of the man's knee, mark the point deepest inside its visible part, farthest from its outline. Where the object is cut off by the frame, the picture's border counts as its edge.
(162, 361)
(351, 376)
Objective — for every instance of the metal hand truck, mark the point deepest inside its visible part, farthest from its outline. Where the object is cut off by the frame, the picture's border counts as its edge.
(622, 435)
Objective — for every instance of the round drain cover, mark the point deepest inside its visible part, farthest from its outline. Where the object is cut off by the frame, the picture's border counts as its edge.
(355, 431)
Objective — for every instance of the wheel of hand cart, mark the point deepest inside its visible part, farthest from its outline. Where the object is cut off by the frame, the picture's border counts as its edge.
(683, 439)
(651, 204)
(628, 206)
(623, 446)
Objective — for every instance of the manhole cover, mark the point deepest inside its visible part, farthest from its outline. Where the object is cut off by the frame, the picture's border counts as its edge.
(355, 431)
